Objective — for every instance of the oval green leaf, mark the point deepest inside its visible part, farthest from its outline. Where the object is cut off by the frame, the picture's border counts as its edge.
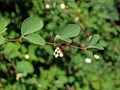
(59, 39)
(95, 38)
(35, 39)
(24, 67)
(94, 47)
(69, 31)
(31, 25)
(2, 39)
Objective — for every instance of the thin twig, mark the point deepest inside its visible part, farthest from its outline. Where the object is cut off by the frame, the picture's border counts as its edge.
(14, 40)
(50, 43)
(72, 46)
(82, 48)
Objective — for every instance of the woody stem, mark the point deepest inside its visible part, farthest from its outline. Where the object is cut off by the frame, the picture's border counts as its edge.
(14, 40)
(72, 46)
(50, 43)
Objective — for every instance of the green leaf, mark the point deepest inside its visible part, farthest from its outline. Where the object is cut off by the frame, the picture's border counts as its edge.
(62, 79)
(93, 44)
(11, 52)
(3, 67)
(94, 39)
(31, 80)
(59, 39)
(66, 40)
(89, 53)
(69, 31)
(3, 30)
(35, 39)
(97, 46)
(3, 24)
(24, 67)
(2, 39)
(31, 25)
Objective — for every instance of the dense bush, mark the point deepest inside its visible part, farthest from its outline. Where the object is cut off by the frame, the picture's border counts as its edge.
(25, 66)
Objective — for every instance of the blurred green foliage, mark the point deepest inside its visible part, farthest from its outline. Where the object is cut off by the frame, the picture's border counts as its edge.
(24, 66)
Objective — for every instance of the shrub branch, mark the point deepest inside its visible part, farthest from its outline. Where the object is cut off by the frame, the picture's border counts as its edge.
(49, 43)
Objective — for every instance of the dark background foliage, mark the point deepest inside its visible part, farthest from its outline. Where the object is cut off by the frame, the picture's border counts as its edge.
(44, 72)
